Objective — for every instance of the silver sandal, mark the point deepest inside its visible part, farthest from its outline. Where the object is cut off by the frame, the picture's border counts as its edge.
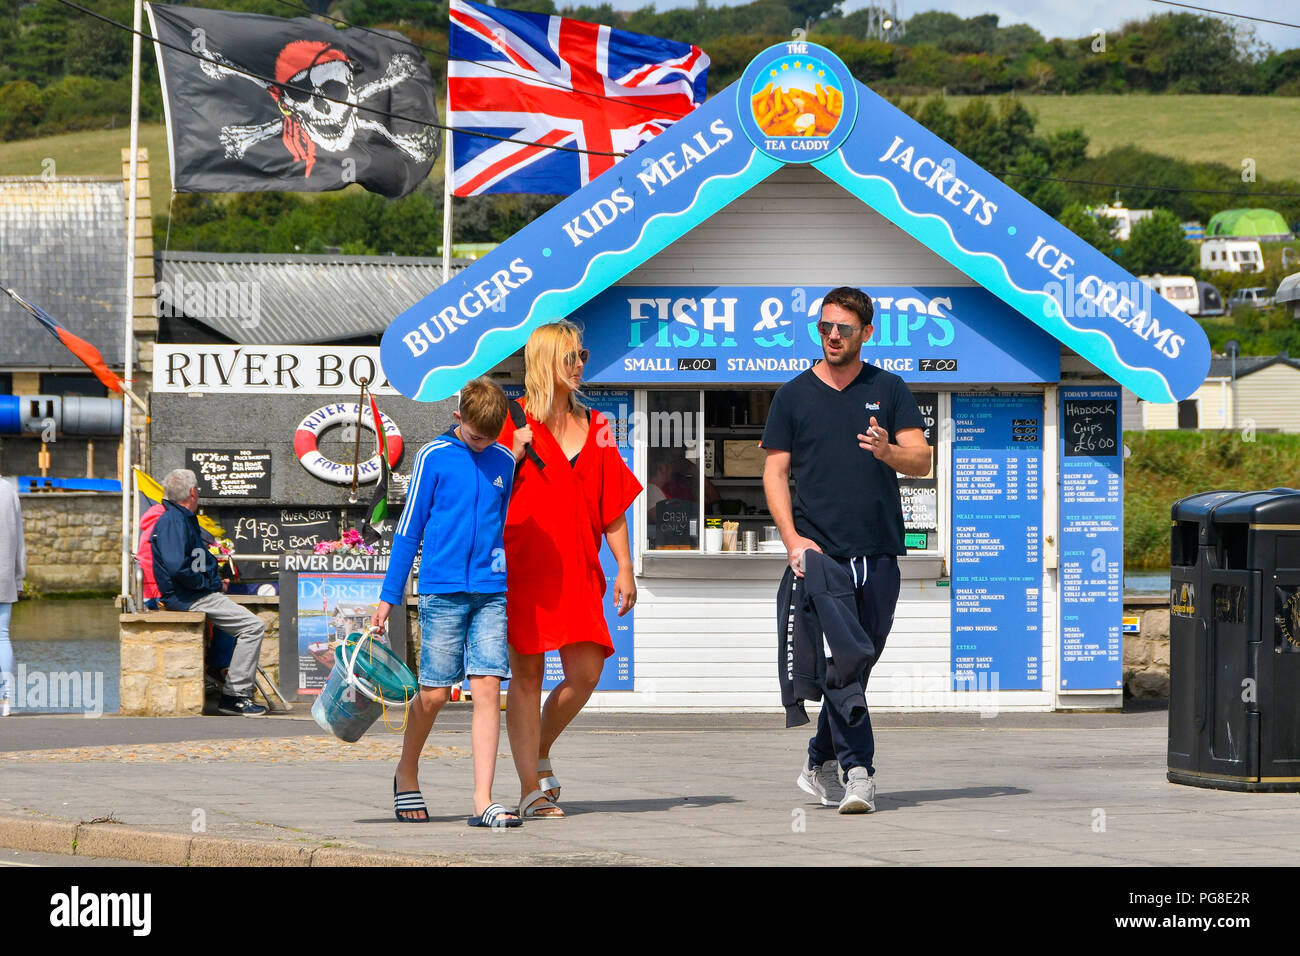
(550, 781)
(528, 811)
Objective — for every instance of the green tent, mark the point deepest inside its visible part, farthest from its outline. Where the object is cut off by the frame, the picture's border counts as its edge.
(1247, 223)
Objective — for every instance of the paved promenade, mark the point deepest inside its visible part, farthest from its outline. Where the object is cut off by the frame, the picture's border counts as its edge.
(694, 790)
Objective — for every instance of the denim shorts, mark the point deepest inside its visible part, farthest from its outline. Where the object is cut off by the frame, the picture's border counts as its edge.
(462, 633)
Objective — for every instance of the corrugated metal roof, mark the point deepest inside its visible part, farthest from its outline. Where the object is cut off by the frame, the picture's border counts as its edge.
(63, 248)
(1246, 364)
(293, 299)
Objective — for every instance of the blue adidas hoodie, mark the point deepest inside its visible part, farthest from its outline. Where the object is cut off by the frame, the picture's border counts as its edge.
(456, 505)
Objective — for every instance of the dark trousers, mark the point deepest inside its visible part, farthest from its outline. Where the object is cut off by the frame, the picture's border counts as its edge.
(877, 595)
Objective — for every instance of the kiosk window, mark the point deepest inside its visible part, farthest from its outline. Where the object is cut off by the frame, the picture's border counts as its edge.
(673, 470)
(733, 471)
(695, 474)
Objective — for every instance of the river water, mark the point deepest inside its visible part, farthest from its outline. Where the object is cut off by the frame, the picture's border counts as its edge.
(66, 657)
(1146, 582)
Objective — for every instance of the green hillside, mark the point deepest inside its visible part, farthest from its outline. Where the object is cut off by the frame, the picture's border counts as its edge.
(96, 153)
(99, 153)
(1167, 465)
(1213, 129)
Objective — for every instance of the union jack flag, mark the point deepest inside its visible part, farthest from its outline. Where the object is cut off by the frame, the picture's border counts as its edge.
(557, 82)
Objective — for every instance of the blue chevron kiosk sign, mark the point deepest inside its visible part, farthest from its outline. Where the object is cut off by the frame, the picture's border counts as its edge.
(717, 153)
(797, 104)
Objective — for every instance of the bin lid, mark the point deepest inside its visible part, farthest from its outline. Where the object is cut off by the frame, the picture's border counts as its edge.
(1198, 507)
(1277, 506)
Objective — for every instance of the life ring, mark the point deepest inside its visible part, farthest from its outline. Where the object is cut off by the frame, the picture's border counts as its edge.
(307, 436)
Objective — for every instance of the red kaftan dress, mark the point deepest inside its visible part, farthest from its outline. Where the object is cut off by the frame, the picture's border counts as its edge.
(557, 515)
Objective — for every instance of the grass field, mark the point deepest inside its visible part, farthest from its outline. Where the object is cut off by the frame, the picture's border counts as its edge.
(1167, 465)
(1214, 129)
(99, 153)
(90, 153)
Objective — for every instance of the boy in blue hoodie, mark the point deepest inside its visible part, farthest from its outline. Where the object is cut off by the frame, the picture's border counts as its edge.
(456, 505)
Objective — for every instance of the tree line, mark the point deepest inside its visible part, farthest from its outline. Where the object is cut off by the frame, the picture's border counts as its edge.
(61, 70)
(1000, 135)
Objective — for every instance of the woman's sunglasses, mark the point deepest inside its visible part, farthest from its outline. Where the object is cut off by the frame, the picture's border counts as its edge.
(846, 331)
(578, 357)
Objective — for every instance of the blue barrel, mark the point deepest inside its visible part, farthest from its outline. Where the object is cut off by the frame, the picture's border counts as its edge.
(11, 421)
(345, 712)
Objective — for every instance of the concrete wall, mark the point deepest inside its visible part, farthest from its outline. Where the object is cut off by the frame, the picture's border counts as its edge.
(73, 541)
(162, 659)
(1146, 654)
(19, 455)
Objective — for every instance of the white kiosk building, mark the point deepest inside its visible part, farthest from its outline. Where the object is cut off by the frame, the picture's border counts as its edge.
(696, 268)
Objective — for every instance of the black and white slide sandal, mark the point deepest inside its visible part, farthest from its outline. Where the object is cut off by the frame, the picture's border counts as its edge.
(496, 816)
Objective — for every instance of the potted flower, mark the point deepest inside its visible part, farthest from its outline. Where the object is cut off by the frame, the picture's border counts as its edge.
(223, 549)
(350, 543)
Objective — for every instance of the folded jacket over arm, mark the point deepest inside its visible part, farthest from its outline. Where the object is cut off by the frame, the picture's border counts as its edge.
(823, 650)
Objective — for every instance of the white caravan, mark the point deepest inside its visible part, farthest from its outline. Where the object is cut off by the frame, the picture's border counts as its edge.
(1181, 291)
(1122, 218)
(1232, 255)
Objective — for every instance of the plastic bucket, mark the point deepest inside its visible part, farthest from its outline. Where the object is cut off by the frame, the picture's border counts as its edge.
(342, 709)
(383, 674)
(366, 676)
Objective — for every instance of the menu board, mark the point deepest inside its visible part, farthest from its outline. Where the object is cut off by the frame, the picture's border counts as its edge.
(1090, 422)
(1092, 540)
(274, 531)
(616, 405)
(997, 517)
(231, 472)
(920, 496)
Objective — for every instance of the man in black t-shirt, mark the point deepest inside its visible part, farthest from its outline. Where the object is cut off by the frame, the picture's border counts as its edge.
(845, 429)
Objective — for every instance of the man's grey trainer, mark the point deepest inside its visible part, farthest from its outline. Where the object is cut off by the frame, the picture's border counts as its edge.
(823, 783)
(859, 792)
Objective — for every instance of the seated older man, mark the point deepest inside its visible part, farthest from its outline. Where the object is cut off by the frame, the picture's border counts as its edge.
(187, 577)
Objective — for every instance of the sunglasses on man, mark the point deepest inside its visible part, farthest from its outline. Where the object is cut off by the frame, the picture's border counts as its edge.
(846, 330)
(578, 357)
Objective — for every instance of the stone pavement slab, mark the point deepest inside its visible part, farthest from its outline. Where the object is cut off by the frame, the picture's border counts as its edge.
(695, 790)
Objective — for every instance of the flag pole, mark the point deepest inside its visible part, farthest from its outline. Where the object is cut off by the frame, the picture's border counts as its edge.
(356, 446)
(129, 331)
(446, 208)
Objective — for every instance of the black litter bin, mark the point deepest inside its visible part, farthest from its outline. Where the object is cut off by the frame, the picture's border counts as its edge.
(1234, 640)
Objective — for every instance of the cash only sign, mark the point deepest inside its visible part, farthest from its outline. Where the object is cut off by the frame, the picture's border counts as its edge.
(795, 103)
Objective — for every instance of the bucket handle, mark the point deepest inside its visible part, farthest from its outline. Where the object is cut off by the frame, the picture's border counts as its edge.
(354, 679)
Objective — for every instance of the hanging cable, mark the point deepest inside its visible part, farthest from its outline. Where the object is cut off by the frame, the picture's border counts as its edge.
(1225, 13)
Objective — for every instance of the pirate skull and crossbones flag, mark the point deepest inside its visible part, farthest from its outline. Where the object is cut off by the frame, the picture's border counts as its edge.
(268, 103)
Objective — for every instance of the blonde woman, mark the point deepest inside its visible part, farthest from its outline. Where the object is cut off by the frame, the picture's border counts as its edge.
(559, 511)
